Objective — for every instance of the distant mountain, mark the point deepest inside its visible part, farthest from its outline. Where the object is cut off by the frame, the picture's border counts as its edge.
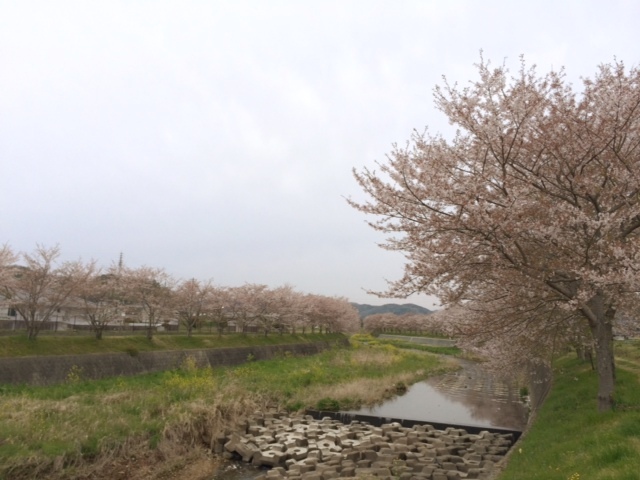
(366, 310)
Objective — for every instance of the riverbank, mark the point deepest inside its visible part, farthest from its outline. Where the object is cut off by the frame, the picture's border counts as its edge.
(160, 426)
(83, 429)
(569, 440)
(53, 369)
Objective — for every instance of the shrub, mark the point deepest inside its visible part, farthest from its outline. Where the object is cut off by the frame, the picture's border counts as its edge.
(75, 374)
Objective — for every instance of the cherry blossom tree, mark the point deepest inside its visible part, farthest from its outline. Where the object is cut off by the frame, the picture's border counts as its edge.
(151, 290)
(314, 312)
(344, 316)
(7, 257)
(239, 306)
(101, 298)
(290, 310)
(39, 285)
(296, 314)
(7, 268)
(530, 214)
(193, 299)
(406, 323)
(330, 314)
(217, 309)
(264, 306)
(379, 322)
(284, 308)
(257, 305)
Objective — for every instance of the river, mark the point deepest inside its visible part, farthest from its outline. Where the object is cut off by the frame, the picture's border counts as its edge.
(470, 396)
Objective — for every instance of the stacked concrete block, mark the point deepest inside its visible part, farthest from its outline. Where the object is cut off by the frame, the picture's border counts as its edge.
(302, 448)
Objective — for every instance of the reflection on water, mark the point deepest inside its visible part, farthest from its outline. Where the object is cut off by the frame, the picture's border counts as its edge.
(469, 396)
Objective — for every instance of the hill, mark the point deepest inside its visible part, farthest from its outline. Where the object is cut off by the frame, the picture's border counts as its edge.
(397, 309)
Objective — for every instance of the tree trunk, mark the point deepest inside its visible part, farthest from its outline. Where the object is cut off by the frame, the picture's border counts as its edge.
(33, 327)
(585, 353)
(601, 325)
(606, 366)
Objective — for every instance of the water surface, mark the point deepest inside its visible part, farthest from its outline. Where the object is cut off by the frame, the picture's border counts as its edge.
(469, 396)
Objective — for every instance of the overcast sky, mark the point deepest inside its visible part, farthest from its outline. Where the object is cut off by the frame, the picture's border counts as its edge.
(216, 138)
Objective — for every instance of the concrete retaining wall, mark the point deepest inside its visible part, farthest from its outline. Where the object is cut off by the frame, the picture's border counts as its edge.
(48, 370)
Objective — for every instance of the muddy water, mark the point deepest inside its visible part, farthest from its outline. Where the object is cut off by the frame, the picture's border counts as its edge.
(469, 396)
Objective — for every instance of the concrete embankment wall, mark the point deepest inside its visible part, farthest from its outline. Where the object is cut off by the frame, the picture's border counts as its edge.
(48, 370)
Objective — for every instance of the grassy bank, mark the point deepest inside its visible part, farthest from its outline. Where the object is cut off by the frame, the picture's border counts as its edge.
(67, 430)
(424, 348)
(570, 440)
(79, 344)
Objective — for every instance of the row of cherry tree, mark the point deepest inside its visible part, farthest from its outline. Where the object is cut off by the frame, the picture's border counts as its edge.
(37, 285)
(430, 324)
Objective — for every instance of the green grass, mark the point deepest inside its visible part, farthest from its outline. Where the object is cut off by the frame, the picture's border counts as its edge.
(570, 440)
(424, 348)
(20, 345)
